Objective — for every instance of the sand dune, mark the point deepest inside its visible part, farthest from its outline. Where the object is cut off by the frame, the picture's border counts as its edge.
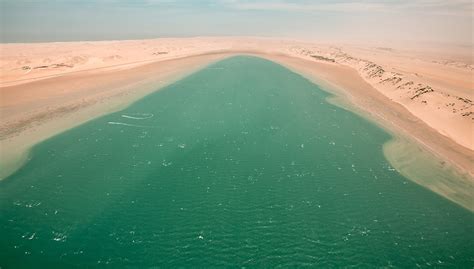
(44, 79)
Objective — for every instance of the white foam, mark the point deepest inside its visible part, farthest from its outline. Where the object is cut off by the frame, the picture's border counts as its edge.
(127, 124)
(32, 236)
(59, 237)
(139, 116)
(165, 163)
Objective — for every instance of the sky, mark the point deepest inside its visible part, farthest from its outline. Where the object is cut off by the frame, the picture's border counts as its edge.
(446, 21)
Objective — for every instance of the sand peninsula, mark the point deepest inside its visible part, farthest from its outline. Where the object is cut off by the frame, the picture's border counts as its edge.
(424, 97)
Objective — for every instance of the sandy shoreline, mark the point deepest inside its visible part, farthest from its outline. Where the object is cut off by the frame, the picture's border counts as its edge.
(417, 151)
(75, 82)
(380, 108)
(27, 120)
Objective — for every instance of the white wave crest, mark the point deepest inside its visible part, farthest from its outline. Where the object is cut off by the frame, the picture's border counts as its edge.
(130, 125)
(138, 116)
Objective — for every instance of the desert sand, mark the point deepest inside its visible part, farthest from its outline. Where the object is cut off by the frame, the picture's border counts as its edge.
(422, 95)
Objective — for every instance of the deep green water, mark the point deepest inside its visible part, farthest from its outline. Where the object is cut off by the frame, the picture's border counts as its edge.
(242, 164)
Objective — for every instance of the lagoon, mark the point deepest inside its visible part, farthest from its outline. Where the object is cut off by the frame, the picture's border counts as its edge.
(243, 163)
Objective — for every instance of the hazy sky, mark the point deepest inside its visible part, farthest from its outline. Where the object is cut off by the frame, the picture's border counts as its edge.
(372, 20)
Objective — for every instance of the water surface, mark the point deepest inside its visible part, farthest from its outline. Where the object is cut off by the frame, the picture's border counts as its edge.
(241, 164)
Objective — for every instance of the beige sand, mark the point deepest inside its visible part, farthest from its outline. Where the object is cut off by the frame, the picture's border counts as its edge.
(422, 95)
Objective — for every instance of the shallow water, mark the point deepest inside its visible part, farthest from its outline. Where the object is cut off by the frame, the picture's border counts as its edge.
(241, 164)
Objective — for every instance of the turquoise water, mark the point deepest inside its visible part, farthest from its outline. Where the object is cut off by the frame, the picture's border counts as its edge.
(243, 164)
